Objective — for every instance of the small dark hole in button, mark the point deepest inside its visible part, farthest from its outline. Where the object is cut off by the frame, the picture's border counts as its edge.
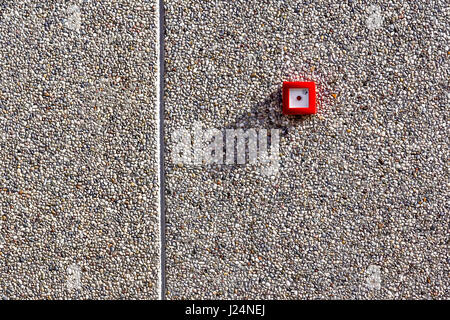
(299, 98)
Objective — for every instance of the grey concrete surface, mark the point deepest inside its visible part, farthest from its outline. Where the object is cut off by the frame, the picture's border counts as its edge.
(359, 207)
(78, 169)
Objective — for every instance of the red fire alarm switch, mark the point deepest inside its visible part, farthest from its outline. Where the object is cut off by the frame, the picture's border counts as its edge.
(299, 98)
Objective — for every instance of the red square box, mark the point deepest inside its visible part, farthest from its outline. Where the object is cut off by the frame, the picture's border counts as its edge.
(299, 97)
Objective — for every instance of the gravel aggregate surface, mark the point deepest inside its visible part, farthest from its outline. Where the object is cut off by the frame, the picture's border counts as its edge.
(359, 207)
(78, 170)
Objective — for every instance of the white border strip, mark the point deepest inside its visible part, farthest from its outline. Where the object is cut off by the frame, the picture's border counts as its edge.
(158, 149)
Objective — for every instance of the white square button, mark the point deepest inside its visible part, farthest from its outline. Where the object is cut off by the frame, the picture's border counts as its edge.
(298, 98)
